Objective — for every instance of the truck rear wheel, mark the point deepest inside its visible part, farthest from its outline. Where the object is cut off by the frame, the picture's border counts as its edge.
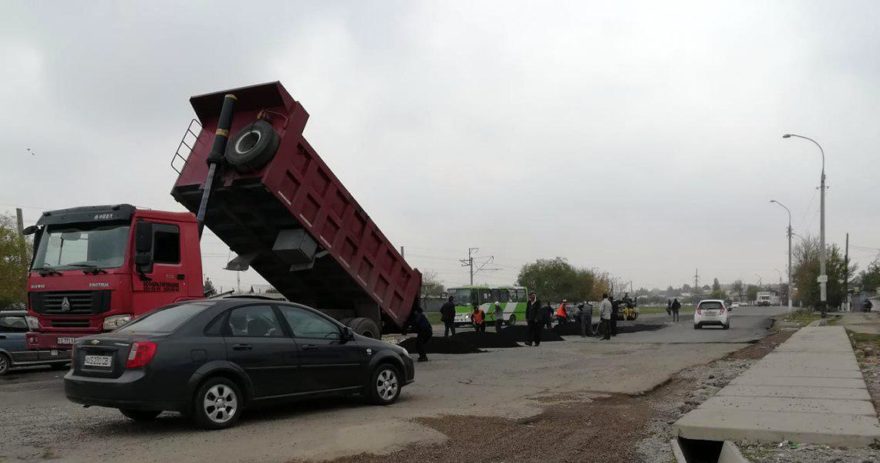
(365, 327)
(252, 147)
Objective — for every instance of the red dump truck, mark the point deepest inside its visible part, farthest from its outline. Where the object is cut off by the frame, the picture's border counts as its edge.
(249, 175)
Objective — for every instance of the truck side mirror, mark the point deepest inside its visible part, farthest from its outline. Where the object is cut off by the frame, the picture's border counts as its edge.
(143, 246)
(29, 230)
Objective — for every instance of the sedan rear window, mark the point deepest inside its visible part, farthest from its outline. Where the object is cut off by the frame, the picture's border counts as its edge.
(165, 320)
(710, 306)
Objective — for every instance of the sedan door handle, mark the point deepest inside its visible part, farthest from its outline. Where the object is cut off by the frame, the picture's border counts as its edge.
(242, 347)
(309, 347)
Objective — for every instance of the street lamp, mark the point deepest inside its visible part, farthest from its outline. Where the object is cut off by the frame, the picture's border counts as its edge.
(823, 277)
(789, 249)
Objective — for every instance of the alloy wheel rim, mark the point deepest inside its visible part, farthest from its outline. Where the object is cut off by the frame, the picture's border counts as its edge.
(220, 403)
(3, 364)
(386, 384)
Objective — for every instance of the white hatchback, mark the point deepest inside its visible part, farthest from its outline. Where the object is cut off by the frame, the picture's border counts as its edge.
(711, 312)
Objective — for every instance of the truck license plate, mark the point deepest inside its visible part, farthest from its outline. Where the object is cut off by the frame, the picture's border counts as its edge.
(98, 361)
(66, 341)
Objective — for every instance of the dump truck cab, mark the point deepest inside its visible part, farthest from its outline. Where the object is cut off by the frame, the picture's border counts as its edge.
(97, 267)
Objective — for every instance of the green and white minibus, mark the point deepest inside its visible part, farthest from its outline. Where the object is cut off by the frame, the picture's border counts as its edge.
(512, 299)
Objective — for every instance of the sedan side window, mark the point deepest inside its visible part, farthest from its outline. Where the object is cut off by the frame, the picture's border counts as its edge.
(306, 324)
(254, 321)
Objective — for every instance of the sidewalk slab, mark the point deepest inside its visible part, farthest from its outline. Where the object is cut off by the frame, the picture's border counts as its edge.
(810, 389)
(827, 429)
(797, 392)
(766, 380)
(773, 404)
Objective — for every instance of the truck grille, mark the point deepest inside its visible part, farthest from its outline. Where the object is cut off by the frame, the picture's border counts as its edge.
(78, 302)
(70, 323)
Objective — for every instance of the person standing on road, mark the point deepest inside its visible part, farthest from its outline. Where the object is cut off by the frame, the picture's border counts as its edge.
(420, 324)
(615, 309)
(669, 307)
(548, 316)
(478, 318)
(535, 320)
(499, 316)
(585, 312)
(561, 313)
(447, 316)
(867, 305)
(605, 309)
(676, 306)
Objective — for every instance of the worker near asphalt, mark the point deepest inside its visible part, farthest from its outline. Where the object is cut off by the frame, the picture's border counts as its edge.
(548, 315)
(478, 318)
(605, 313)
(867, 305)
(585, 314)
(447, 316)
(615, 309)
(561, 313)
(499, 316)
(669, 307)
(419, 323)
(534, 319)
(676, 306)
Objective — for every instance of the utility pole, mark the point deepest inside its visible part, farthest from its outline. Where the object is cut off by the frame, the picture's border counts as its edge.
(846, 275)
(19, 221)
(469, 262)
(402, 254)
(696, 281)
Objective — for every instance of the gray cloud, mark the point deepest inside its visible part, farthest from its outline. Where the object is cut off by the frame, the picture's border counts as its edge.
(640, 138)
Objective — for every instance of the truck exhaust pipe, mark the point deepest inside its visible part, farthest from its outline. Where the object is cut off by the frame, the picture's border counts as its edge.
(221, 136)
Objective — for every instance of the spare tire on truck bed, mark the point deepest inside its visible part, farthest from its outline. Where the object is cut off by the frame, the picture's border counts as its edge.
(252, 147)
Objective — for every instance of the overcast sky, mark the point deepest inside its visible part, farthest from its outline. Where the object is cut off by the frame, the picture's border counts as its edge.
(639, 138)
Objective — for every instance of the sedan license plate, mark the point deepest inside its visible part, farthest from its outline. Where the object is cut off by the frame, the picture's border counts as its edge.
(103, 361)
(66, 341)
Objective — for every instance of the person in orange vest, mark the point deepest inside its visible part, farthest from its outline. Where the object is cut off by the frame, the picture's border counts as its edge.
(478, 318)
(561, 313)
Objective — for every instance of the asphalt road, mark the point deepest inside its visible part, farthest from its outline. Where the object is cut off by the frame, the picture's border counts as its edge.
(38, 423)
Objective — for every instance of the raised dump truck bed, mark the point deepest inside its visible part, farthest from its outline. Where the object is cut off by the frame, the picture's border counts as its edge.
(286, 215)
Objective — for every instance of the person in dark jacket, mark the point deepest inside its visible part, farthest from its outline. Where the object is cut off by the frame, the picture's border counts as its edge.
(867, 305)
(419, 323)
(615, 308)
(447, 316)
(548, 316)
(535, 320)
(676, 306)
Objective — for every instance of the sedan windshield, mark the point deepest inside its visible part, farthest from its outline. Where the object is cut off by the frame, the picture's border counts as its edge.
(67, 247)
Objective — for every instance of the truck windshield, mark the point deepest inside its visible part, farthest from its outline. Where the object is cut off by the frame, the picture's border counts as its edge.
(83, 246)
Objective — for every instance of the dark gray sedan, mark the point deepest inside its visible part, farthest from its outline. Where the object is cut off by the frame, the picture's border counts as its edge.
(212, 359)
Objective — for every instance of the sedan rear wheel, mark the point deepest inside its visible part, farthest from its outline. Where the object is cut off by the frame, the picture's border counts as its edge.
(218, 404)
(384, 389)
(4, 364)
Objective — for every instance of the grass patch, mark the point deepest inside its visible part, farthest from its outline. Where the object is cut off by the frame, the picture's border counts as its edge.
(803, 317)
(864, 338)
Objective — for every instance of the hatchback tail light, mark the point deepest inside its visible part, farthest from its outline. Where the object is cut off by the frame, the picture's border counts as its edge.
(699, 310)
(142, 352)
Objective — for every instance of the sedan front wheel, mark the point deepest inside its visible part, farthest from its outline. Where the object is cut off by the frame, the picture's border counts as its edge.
(384, 387)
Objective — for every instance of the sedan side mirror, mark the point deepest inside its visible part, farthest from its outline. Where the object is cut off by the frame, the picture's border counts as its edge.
(347, 334)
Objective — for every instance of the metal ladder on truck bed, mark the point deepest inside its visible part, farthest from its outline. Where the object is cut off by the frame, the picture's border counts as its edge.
(187, 144)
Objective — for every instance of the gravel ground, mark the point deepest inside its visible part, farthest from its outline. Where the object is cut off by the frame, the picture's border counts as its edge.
(573, 428)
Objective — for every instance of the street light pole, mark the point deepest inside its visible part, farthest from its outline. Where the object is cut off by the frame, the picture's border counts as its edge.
(823, 276)
(789, 250)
